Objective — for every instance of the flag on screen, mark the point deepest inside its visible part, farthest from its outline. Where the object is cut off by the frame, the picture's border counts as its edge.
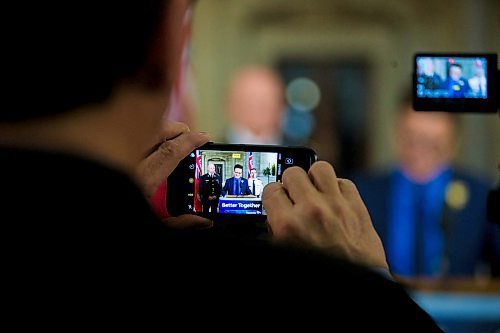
(197, 202)
(250, 163)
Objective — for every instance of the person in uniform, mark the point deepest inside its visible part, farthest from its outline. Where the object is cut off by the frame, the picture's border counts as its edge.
(255, 183)
(210, 190)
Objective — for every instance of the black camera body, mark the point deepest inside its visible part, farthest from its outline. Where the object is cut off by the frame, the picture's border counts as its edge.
(456, 82)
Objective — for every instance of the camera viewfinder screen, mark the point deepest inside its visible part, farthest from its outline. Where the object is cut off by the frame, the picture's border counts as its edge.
(231, 182)
(451, 77)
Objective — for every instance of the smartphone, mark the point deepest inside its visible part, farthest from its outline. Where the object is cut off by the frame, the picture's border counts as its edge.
(226, 180)
(455, 82)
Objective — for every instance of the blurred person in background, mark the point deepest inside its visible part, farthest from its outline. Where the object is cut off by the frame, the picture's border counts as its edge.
(430, 215)
(255, 106)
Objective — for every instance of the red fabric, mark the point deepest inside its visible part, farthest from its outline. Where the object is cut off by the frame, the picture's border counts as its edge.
(159, 201)
(199, 172)
(250, 163)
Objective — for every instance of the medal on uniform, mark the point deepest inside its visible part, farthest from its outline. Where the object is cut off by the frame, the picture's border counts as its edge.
(457, 194)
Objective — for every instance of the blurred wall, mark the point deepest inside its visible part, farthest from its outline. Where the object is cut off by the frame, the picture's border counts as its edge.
(231, 33)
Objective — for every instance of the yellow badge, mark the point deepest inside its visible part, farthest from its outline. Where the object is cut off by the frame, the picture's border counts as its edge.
(457, 194)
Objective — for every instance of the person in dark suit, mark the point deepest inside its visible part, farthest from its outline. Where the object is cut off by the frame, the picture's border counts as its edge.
(255, 106)
(81, 243)
(210, 190)
(430, 215)
(236, 185)
(456, 85)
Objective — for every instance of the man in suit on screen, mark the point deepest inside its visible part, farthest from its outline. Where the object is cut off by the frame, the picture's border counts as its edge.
(236, 185)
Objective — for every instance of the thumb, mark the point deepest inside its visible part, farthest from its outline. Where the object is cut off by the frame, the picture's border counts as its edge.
(188, 221)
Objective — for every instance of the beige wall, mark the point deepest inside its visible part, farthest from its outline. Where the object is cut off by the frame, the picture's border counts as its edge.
(231, 33)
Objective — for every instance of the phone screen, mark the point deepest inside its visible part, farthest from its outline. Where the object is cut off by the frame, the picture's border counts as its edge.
(229, 179)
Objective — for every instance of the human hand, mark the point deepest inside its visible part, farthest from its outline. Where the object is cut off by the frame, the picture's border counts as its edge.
(212, 197)
(176, 141)
(320, 210)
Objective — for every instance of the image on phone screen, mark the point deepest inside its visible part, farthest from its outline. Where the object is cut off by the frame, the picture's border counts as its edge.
(230, 182)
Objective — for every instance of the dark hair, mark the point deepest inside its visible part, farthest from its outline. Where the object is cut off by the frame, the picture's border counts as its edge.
(454, 65)
(239, 166)
(63, 55)
(253, 169)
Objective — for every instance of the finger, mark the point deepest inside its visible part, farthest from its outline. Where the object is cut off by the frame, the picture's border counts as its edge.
(324, 178)
(351, 194)
(275, 199)
(160, 163)
(172, 129)
(169, 130)
(298, 185)
(277, 204)
(187, 221)
(171, 152)
(348, 190)
(179, 147)
(179, 132)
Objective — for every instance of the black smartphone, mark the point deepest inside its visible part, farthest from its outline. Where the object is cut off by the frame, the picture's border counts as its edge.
(455, 82)
(225, 181)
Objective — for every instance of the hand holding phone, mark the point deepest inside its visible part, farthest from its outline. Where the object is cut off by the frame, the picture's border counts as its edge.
(175, 140)
(317, 209)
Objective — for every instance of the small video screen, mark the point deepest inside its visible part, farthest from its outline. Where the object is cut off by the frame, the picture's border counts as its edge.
(451, 77)
(231, 182)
